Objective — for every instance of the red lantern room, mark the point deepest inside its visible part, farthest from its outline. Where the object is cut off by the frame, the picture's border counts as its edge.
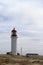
(14, 32)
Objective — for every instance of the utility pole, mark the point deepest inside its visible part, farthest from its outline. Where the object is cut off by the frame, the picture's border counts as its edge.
(21, 50)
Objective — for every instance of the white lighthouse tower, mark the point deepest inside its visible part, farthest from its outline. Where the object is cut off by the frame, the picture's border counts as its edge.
(14, 42)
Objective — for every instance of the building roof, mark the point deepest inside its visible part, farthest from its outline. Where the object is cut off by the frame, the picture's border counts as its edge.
(14, 30)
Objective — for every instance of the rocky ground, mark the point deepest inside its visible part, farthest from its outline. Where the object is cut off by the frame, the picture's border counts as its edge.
(20, 60)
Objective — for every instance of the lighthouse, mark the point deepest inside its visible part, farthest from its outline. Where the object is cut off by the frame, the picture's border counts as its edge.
(14, 42)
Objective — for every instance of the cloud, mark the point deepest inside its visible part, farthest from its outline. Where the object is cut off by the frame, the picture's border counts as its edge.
(26, 15)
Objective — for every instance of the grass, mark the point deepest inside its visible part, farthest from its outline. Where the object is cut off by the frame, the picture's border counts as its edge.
(20, 60)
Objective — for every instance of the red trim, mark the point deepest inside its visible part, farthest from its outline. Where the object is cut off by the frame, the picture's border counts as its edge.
(13, 35)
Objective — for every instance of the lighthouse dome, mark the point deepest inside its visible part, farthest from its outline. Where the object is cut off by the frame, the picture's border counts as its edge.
(14, 30)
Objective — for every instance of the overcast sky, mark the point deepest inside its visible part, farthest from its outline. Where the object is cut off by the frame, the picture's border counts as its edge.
(27, 17)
